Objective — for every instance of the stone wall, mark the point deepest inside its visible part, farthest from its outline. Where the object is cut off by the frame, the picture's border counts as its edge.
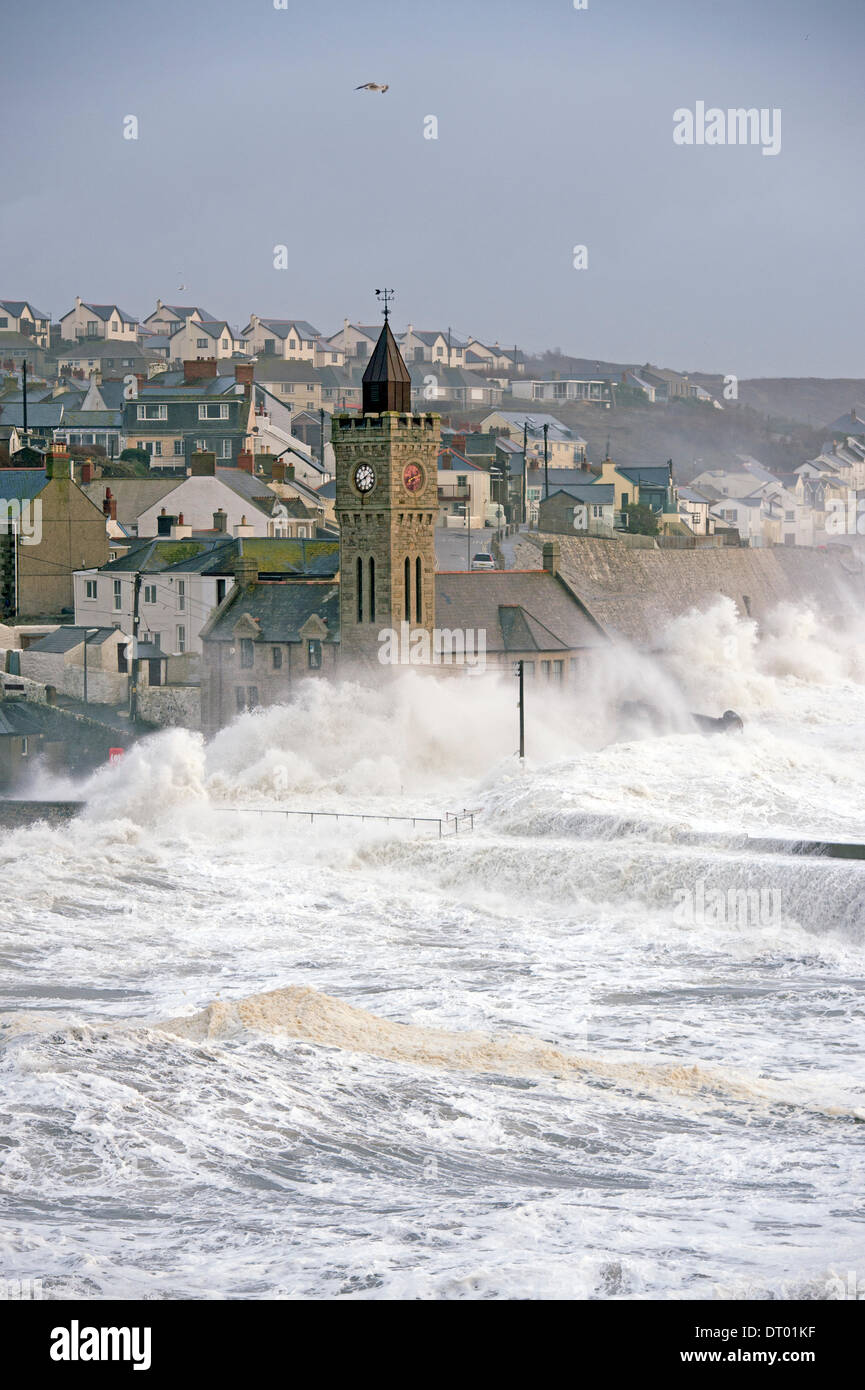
(170, 706)
(633, 592)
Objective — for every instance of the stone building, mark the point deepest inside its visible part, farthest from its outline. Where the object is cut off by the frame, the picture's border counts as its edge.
(49, 528)
(386, 506)
(383, 607)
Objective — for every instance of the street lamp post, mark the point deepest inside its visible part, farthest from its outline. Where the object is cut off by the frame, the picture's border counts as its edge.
(88, 633)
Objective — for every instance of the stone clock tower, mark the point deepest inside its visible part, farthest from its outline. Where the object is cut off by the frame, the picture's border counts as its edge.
(386, 505)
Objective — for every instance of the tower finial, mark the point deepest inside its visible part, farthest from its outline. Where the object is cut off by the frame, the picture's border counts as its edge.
(385, 296)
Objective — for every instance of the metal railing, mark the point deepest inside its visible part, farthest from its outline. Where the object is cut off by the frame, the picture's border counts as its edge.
(452, 823)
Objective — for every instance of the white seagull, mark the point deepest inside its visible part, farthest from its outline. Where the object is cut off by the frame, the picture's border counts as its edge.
(373, 87)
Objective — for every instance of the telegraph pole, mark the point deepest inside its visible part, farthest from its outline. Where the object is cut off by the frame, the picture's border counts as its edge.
(133, 684)
(321, 427)
(525, 501)
(24, 388)
(521, 707)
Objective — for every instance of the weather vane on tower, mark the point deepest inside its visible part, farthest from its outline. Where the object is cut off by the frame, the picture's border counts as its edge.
(385, 296)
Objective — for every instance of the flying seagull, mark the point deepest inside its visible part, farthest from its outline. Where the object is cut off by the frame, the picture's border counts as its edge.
(373, 87)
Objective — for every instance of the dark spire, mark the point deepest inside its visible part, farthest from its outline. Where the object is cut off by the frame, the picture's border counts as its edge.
(386, 381)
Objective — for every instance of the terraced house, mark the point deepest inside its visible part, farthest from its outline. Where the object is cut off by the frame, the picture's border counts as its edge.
(178, 414)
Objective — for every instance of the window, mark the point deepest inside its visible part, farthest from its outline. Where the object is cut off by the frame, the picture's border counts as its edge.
(270, 346)
(4, 323)
(313, 654)
(247, 652)
(359, 569)
(118, 601)
(150, 593)
(200, 445)
(371, 589)
(418, 590)
(292, 343)
(157, 448)
(153, 412)
(226, 448)
(25, 747)
(181, 639)
(545, 669)
(407, 589)
(213, 410)
(558, 670)
(90, 588)
(92, 328)
(225, 345)
(178, 448)
(201, 342)
(277, 658)
(181, 595)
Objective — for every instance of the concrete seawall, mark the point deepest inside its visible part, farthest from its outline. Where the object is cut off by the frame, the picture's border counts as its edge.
(14, 814)
(633, 593)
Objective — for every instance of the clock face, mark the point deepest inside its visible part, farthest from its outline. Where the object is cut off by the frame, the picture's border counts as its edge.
(364, 477)
(412, 477)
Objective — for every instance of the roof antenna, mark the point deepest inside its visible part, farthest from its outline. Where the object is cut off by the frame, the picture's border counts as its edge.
(385, 296)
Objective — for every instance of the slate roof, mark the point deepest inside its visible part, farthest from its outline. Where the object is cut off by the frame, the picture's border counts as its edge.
(185, 311)
(282, 327)
(133, 495)
(852, 422)
(515, 606)
(599, 494)
(16, 308)
(648, 477)
(66, 639)
(22, 482)
(271, 368)
(280, 609)
(23, 719)
(41, 416)
(104, 312)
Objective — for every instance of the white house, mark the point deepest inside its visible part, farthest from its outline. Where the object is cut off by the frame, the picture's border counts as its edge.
(291, 339)
(85, 321)
(18, 316)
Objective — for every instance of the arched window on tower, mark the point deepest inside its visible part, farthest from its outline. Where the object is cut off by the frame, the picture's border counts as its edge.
(418, 591)
(371, 589)
(407, 583)
(359, 589)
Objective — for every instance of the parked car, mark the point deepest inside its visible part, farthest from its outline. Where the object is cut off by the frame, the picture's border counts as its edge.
(483, 561)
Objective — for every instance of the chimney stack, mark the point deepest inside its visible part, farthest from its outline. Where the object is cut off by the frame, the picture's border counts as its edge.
(246, 462)
(551, 553)
(106, 502)
(220, 520)
(57, 462)
(202, 464)
(205, 370)
(245, 568)
(244, 373)
(86, 472)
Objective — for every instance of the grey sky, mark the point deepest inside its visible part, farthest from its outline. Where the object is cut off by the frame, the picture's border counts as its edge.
(555, 128)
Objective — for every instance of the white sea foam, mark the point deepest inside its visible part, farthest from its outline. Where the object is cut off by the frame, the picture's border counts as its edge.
(485, 1058)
